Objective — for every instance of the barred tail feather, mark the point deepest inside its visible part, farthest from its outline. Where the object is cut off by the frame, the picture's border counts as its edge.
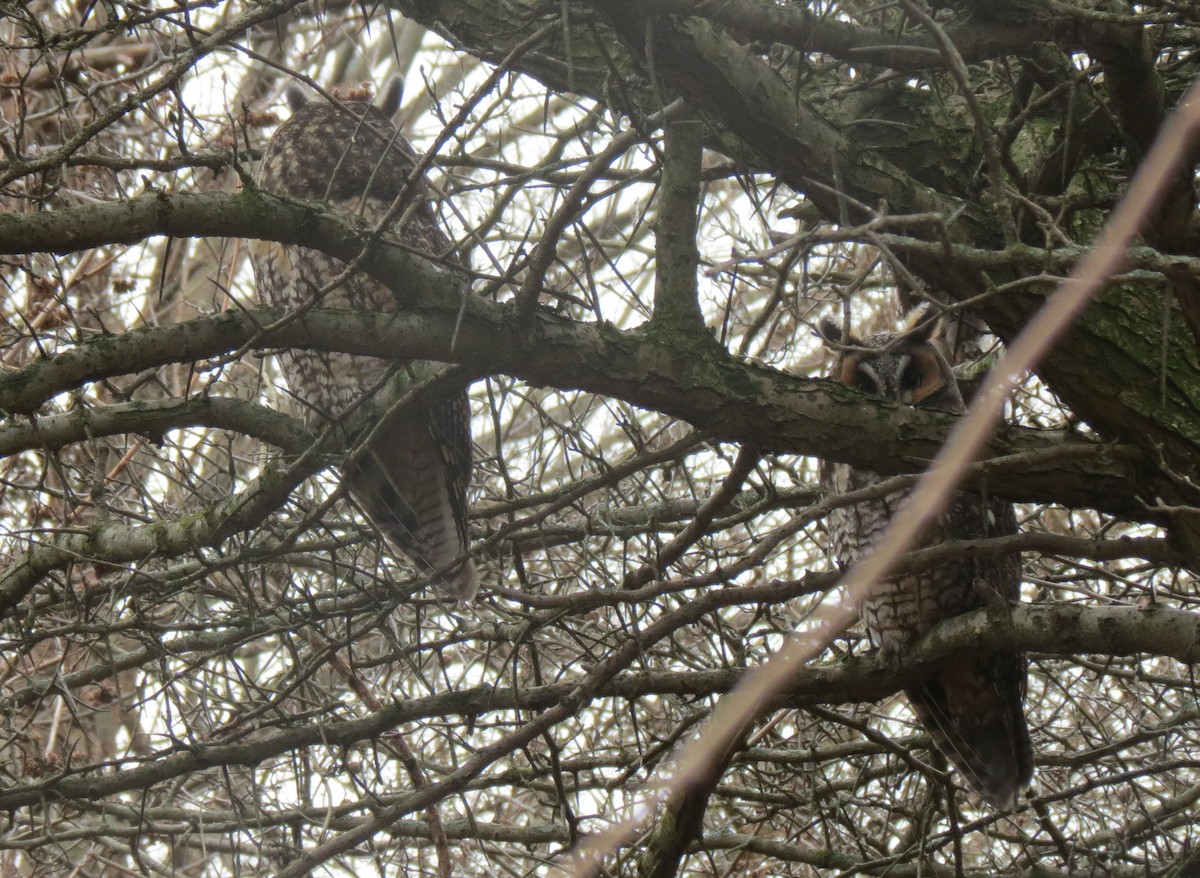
(975, 715)
(463, 582)
(406, 486)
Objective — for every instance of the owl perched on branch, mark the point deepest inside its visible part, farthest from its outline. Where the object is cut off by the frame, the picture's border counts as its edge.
(411, 480)
(973, 709)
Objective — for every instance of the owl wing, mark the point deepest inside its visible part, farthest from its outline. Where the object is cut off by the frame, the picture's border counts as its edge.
(450, 425)
(974, 710)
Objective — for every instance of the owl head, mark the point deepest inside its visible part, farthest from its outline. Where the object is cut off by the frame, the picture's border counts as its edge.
(340, 151)
(906, 366)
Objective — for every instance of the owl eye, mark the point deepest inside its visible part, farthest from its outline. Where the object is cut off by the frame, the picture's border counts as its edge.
(865, 382)
(910, 379)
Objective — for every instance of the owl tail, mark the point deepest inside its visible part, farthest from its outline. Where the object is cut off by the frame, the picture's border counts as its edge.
(975, 715)
(412, 511)
(406, 484)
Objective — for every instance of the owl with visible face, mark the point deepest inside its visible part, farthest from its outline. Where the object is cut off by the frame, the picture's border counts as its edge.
(411, 481)
(974, 709)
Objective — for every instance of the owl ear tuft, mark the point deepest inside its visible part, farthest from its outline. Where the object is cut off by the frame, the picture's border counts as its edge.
(393, 92)
(924, 323)
(296, 96)
(831, 333)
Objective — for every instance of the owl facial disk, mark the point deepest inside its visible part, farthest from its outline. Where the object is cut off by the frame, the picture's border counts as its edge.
(909, 378)
(866, 380)
(860, 374)
(926, 368)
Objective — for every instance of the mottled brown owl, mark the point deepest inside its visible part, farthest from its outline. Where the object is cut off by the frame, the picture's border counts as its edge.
(411, 482)
(973, 710)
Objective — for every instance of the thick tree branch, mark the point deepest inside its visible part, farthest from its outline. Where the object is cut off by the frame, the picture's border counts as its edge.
(676, 301)
(733, 86)
(736, 401)
(243, 628)
(1054, 630)
(153, 419)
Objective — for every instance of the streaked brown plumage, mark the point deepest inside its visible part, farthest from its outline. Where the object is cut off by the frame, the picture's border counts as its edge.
(412, 479)
(974, 709)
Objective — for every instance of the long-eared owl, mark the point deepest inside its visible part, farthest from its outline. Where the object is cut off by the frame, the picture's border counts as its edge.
(973, 710)
(411, 481)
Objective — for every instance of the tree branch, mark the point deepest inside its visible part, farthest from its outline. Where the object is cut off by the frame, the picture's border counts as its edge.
(735, 400)
(676, 302)
(1053, 630)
